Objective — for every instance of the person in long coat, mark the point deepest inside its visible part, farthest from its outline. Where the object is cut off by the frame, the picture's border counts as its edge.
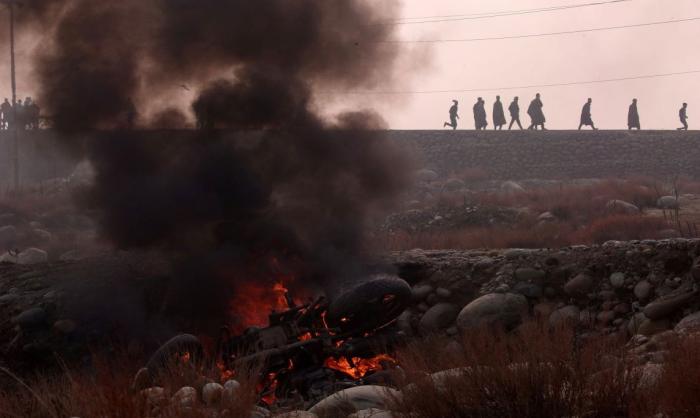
(586, 119)
(499, 116)
(536, 113)
(633, 116)
(514, 110)
(480, 115)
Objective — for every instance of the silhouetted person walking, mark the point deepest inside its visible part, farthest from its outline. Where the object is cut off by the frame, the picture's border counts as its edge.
(514, 110)
(683, 115)
(633, 116)
(499, 116)
(480, 114)
(536, 113)
(453, 115)
(586, 119)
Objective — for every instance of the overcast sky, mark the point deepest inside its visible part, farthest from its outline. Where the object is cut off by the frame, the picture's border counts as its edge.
(545, 60)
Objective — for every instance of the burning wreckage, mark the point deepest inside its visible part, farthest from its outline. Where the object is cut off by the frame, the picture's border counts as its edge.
(307, 351)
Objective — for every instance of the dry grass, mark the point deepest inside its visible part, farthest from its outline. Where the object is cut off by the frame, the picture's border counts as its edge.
(582, 218)
(104, 391)
(534, 373)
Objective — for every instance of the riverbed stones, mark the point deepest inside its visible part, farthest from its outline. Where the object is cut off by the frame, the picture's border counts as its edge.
(642, 290)
(667, 305)
(579, 285)
(439, 317)
(617, 280)
(496, 309)
(355, 399)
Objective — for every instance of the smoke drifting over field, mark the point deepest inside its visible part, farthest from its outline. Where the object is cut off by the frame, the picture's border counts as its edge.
(293, 187)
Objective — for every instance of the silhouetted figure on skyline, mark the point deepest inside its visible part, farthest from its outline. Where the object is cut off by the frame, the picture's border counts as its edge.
(536, 113)
(514, 110)
(480, 114)
(6, 109)
(499, 116)
(453, 115)
(683, 115)
(633, 116)
(586, 119)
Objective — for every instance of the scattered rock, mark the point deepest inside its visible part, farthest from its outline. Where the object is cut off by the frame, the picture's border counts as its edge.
(231, 388)
(30, 318)
(185, 397)
(32, 256)
(355, 399)
(495, 309)
(297, 414)
(528, 274)
(617, 280)
(212, 393)
(421, 292)
(650, 327)
(154, 396)
(42, 235)
(426, 175)
(579, 285)
(443, 293)
(65, 326)
(667, 202)
(546, 217)
(529, 290)
(642, 290)
(620, 206)
(568, 315)
(689, 324)
(665, 306)
(371, 413)
(438, 318)
(453, 185)
(511, 187)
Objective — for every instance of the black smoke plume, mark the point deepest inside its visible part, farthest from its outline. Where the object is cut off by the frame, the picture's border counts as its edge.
(266, 178)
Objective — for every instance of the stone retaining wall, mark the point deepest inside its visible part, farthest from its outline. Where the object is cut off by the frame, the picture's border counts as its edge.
(556, 154)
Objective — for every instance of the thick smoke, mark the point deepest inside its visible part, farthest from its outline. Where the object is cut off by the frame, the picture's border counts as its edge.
(267, 178)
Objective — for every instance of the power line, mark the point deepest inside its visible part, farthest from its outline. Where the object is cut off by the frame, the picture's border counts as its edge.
(489, 15)
(538, 35)
(573, 83)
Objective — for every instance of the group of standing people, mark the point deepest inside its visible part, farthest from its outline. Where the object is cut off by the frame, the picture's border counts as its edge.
(537, 118)
(23, 115)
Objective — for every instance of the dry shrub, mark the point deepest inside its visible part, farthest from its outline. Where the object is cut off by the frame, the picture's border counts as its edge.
(105, 391)
(679, 384)
(619, 227)
(536, 372)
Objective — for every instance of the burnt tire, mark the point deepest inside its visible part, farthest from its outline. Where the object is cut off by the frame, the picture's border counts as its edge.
(369, 305)
(171, 354)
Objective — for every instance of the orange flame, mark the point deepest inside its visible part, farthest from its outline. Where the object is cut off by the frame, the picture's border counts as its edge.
(361, 366)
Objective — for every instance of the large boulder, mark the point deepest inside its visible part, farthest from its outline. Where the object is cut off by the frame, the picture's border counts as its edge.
(426, 175)
(689, 324)
(567, 315)
(667, 202)
(355, 399)
(32, 256)
(620, 206)
(496, 309)
(439, 317)
(667, 305)
(579, 285)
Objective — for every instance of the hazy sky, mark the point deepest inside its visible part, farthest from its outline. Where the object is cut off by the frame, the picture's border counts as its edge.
(558, 59)
(517, 62)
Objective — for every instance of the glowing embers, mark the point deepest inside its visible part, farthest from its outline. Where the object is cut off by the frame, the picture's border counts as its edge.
(357, 367)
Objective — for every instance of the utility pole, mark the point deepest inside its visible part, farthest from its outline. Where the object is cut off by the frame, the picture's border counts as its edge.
(11, 6)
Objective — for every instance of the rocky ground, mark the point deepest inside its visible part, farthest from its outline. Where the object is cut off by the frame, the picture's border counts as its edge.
(644, 290)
